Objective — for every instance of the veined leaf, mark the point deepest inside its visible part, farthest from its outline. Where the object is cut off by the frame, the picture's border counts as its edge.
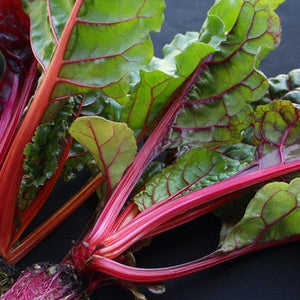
(162, 77)
(194, 170)
(112, 145)
(273, 214)
(216, 111)
(284, 86)
(153, 87)
(103, 36)
(43, 153)
(277, 132)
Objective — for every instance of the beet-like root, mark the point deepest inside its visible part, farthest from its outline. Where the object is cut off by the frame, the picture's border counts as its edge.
(47, 281)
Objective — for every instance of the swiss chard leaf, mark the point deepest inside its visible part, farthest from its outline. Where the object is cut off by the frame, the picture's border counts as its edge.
(14, 37)
(120, 42)
(284, 86)
(194, 170)
(277, 132)
(273, 214)
(162, 77)
(112, 145)
(217, 109)
(43, 154)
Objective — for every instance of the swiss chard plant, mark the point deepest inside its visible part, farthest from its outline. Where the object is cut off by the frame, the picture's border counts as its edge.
(167, 139)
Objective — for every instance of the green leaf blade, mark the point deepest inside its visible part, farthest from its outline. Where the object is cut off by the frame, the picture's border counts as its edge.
(111, 144)
(230, 81)
(102, 39)
(277, 132)
(192, 171)
(273, 214)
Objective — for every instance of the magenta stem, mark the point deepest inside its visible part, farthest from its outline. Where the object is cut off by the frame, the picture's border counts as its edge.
(143, 275)
(164, 211)
(150, 150)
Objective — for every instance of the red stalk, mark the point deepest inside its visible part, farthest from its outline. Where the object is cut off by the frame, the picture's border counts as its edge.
(192, 215)
(149, 150)
(54, 221)
(143, 275)
(28, 215)
(14, 116)
(12, 169)
(164, 211)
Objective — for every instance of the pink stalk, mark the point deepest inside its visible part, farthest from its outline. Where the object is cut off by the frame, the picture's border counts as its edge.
(35, 237)
(12, 169)
(149, 150)
(14, 108)
(143, 275)
(162, 212)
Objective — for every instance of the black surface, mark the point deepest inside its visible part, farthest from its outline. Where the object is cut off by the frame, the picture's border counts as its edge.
(268, 274)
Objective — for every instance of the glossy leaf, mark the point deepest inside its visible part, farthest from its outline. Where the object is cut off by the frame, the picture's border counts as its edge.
(14, 36)
(217, 109)
(153, 87)
(163, 76)
(273, 214)
(277, 132)
(194, 170)
(120, 42)
(43, 154)
(284, 86)
(111, 144)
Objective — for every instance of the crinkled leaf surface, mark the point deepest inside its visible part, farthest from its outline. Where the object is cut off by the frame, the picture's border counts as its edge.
(194, 170)
(112, 145)
(216, 111)
(109, 39)
(43, 153)
(277, 132)
(284, 86)
(153, 87)
(273, 214)
(276, 135)
(14, 36)
(162, 77)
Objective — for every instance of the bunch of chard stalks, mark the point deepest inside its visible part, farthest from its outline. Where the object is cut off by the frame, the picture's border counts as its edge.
(167, 140)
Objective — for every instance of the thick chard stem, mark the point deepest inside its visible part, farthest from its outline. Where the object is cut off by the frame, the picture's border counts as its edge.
(12, 169)
(55, 220)
(143, 275)
(164, 211)
(7, 132)
(148, 152)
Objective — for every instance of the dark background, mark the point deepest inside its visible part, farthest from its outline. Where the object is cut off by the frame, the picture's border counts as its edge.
(268, 274)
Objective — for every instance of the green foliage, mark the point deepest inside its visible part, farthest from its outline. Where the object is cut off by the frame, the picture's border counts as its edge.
(111, 144)
(217, 110)
(43, 153)
(273, 214)
(193, 170)
(284, 86)
(277, 132)
(160, 80)
(106, 35)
